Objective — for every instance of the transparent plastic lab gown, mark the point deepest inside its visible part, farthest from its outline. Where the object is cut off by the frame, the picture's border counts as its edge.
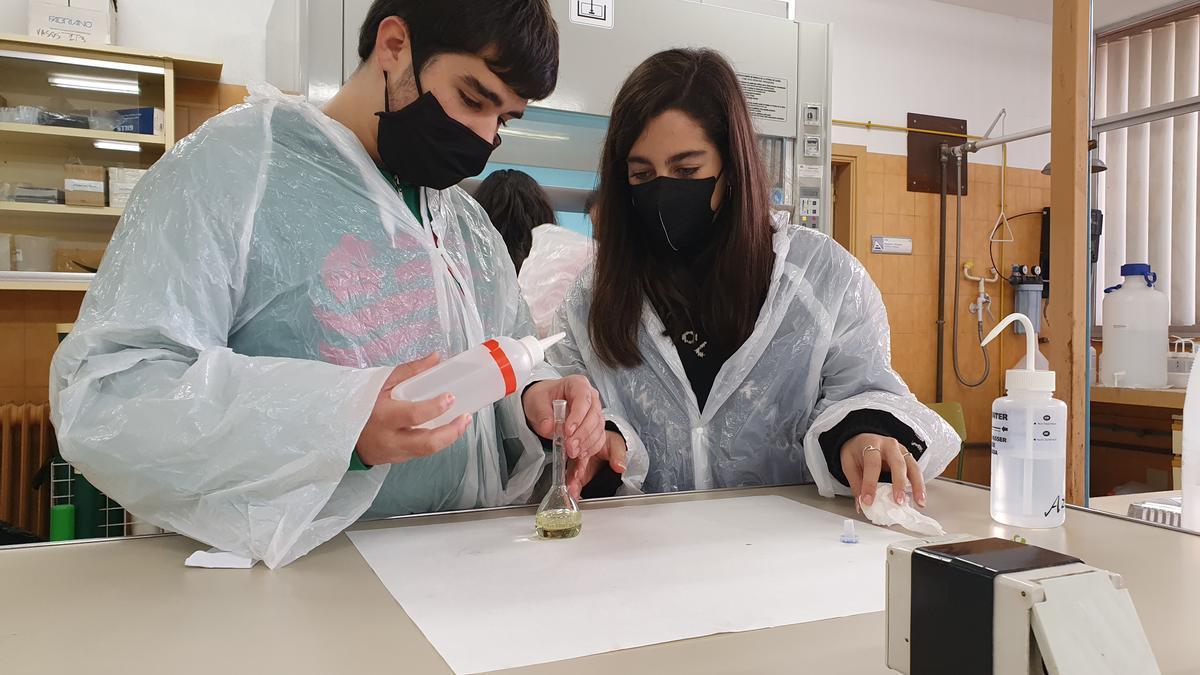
(555, 261)
(820, 349)
(261, 286)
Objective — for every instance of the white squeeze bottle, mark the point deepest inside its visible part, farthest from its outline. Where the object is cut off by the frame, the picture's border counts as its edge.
(479, 376)
(1029, 449)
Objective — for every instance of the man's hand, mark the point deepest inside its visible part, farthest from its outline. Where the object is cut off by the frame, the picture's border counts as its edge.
(585, 416)
(862, 461)
(391, 435)
(581, 471)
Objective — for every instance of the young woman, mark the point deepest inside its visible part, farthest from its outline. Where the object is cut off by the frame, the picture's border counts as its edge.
(728, 352)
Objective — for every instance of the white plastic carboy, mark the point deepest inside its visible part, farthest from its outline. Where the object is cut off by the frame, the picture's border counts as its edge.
(1137, 317)
(479, 376)
(1029, 450)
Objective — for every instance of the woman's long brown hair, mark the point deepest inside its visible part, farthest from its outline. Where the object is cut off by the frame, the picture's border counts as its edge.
(701, 84)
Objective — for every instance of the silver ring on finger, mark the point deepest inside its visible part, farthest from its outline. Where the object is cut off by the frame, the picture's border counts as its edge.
(906, 455)
(871, 448)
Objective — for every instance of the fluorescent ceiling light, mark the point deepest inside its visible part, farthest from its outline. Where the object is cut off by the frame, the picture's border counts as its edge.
(538, 135)
(107, 84)
(117, 145)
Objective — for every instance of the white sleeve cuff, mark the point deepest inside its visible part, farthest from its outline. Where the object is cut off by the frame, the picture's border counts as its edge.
(637, 459)
(942, 443)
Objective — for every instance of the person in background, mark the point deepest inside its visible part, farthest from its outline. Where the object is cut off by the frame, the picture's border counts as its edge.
(735, 351)
(516, 205)
(548, 257)
(230, 374)
(589, 209)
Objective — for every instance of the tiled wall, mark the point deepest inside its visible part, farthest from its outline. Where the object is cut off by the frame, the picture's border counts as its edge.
(28, 339)
(910, 283)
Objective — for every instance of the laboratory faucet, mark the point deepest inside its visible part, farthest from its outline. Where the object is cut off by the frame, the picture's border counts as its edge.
(983, 303)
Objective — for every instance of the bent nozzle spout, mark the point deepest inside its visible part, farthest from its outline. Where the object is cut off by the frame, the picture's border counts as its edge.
(1030, 336)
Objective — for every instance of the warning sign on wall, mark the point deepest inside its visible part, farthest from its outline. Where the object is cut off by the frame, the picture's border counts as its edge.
(766, 96)
(594, 13)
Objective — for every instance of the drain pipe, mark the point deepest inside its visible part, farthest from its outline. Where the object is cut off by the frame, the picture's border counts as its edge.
(943, 155)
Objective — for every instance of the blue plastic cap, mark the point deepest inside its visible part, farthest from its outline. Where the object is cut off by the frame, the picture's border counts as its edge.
(1135, 270)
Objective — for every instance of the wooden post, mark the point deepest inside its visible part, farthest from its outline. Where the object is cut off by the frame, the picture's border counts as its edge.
(169, 131)
(1068, 330)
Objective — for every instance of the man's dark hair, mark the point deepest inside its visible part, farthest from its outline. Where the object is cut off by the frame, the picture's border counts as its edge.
(519, 37)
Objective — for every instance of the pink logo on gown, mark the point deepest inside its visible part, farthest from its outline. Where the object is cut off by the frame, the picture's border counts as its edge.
(381, 317)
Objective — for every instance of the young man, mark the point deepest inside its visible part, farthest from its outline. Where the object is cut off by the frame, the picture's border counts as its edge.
(229, 377)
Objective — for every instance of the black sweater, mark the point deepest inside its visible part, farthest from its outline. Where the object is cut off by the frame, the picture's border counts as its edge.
(702, 361)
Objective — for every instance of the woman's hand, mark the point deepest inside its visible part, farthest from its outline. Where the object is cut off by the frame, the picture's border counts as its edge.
(584, 427)
(863, 457)
(580, 472)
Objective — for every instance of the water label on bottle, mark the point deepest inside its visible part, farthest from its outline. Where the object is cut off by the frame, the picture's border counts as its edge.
(1001, 431)
(1008, 428)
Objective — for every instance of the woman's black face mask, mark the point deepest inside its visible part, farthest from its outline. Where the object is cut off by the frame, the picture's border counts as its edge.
(677, 213)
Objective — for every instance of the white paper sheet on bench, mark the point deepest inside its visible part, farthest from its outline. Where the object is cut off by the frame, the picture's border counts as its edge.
(485, 592)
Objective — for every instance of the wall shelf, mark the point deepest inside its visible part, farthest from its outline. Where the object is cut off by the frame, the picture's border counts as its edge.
(62, 210)
(1151, 398)
(45, 281)
(67, 137)
(188, 67)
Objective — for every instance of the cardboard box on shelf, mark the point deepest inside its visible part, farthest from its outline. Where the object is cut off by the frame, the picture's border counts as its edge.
(121, 183)
(74, 20)
(84, 185)
(27, 194)
(77, 259)
(140, 121)
(33, 254)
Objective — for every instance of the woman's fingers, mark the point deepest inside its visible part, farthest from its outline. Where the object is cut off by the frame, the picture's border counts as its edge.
(894, 453)
(589, 436)
(579, 474)
(917, 480)
(872, 462)
(594, 445)
(616, 452)
(852, 467)
(580, 401)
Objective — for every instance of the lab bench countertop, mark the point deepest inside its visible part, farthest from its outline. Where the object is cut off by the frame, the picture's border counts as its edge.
(130, 606)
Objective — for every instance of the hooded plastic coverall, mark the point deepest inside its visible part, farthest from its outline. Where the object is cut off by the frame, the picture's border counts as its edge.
(555, 261)
(262, 283)
(820, 349)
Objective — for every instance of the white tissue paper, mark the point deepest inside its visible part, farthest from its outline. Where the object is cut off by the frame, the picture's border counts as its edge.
(216, 559)
(884, 511)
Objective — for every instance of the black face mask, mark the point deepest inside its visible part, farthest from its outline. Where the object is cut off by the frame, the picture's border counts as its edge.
(677, 213)
(424, 146)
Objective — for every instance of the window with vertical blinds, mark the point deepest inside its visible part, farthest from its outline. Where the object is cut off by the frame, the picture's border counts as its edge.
(1148, 194)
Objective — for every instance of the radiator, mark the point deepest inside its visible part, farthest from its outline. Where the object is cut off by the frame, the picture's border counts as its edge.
(27, 444)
